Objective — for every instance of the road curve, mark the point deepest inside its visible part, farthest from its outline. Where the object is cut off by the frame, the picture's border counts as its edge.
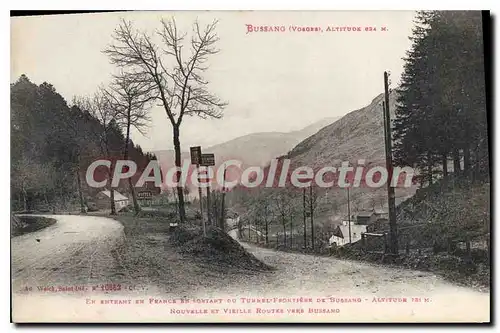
(61, 252)
(299, 274)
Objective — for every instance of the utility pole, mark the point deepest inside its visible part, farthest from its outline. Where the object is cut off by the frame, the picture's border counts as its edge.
(209, 216)
(200, 194)
(312, 217)
(223, 208)
(349, 214)
(305, 216)
(388, 163)
(266, 221)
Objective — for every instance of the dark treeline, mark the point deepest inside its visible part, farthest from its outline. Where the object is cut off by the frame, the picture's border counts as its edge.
(441, 113)
(52, 144)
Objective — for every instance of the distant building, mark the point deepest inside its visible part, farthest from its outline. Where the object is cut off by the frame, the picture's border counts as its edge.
(365, 217)
(370, 216)
(103, 200)
(378, 226)
(381, 214)
(341, 234)
(346, 220)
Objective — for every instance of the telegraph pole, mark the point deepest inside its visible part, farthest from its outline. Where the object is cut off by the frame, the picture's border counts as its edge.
(223, 208)
(349, 214)
(388, 163)
(209, 216)
(312, 215)
(305, 216)
(200, 194)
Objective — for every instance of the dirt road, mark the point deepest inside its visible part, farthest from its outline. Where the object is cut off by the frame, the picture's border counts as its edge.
(81, 250)
(307, 275)
(75, 250)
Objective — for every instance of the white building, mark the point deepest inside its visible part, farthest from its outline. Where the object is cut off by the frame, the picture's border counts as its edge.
(103, 200)
(341, 233)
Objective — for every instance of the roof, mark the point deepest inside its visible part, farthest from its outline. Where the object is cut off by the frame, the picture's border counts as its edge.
(342, 231)
(364, 214)
(118, 195)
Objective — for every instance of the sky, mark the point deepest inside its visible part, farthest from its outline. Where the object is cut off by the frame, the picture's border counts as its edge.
(272, 81)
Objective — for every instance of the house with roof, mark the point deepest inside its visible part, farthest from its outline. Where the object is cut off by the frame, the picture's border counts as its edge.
(103, 200)
(365, 217)
(340, 234)
(379, 225)
(369, 216)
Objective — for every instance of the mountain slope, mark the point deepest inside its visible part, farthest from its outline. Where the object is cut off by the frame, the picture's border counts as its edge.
(255, 149)
(359, 135)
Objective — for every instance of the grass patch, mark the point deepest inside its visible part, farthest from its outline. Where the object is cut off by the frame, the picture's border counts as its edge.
(216, 248)
(29, 224)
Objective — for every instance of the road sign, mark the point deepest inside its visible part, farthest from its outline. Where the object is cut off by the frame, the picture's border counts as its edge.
(207, 159)
(145, 195)
(195, 154)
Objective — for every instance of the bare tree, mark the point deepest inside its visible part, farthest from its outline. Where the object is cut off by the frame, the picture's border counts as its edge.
(291, 212)
(266, 212)
(282, 204)
(130, 96)
(100, 108)
(181, 88)
(312, 200)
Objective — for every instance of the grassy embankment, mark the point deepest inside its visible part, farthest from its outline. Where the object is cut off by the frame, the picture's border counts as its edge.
(21, 225)
(155, 254)
(444, 228)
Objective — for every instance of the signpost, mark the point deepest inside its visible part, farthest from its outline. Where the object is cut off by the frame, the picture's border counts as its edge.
(196, 160)
(145, 196)
(208, 160)
(195, 155)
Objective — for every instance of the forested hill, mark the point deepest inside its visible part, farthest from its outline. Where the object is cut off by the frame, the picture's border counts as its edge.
(439, 127)
(52, 143)
(441, 107)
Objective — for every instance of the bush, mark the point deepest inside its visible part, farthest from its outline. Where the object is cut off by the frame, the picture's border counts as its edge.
(170, 215)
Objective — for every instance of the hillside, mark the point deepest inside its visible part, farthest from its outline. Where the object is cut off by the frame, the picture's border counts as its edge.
(255, 148)
(444, 228)
(357, 135)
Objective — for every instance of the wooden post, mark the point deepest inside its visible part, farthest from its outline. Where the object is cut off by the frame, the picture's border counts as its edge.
(209, 216)
(223, 208)
(388, 162)
(488, 247)
(312, 217)
(467, 246)
(305, 216)
(201, 200)
(349, 214)
(385, 242)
